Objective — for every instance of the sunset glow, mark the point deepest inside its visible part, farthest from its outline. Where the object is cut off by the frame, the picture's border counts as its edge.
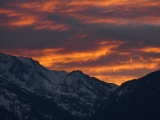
(113, 40)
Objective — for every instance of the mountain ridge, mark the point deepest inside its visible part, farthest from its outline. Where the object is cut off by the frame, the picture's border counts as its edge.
(29, 91)
(137, 99)
(75, 92)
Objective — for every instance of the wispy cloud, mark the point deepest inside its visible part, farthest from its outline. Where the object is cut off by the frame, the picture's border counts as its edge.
(108, 39)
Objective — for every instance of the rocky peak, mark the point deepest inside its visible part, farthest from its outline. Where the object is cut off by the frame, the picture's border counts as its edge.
(76, 92)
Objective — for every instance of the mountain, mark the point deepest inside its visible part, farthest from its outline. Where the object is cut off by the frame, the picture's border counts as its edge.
(29, 91)
(17, 103)
(134, 100)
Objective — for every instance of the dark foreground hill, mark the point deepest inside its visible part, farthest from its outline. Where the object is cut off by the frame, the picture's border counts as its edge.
(134, 100)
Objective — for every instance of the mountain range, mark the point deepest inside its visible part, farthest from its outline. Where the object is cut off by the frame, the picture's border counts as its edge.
(134, 100)
(29, 91)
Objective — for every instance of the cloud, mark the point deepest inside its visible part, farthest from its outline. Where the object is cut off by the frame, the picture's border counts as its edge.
(150, 49)
(87, 12)
(113, 40)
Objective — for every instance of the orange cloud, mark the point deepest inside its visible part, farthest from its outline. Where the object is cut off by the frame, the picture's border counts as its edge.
(44, 24)
(55, 59)
(97, 71)
(116, 79)
(6, 11)
(41, 6)
(120, 67)
(36, 12)
(50, 58)
(24, 21)
(58, 15)
(29, 17)
(150, 49)
(98, 3)
(108, 17)
(121, 12)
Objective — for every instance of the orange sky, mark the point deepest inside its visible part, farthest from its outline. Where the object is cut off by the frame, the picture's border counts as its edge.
(113, 40)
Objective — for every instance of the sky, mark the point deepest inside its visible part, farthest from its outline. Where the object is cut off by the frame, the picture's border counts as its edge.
(113, 40)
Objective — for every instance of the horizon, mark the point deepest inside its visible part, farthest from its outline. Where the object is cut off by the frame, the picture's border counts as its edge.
(114, 40)
(78, 70)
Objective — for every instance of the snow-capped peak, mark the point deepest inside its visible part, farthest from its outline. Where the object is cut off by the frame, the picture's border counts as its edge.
(75, 92)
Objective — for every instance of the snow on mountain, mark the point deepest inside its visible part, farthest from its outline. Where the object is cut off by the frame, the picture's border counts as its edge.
(75, 92)
(17, 103)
